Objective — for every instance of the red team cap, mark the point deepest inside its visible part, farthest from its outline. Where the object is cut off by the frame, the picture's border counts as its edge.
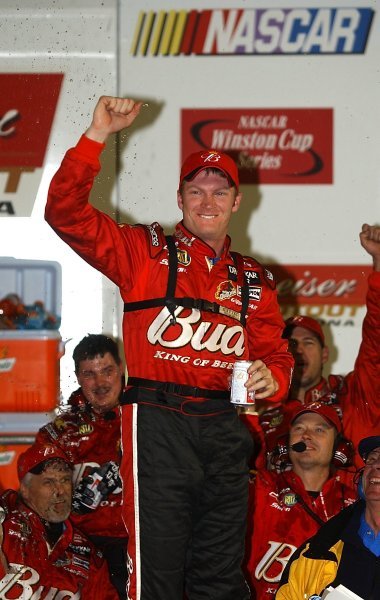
(325, 410)
(306, 322)
(210, 159)
(36, 455)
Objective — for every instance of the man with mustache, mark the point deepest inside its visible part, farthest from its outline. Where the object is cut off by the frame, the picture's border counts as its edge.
(346, 550)
(88, 431)
(42, 553)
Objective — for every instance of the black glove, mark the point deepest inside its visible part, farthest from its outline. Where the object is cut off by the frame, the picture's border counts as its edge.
(96, 486)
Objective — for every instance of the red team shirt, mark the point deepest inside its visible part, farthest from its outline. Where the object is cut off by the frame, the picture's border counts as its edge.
(201, 348)
(72, 568)
(90, 440)
(355, 396)
(278, 523)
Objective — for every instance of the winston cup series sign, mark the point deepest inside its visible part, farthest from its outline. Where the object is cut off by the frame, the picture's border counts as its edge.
(27, 106)
(270, 145)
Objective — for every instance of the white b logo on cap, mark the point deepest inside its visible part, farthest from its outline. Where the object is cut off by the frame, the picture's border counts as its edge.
(211, 157)
(48, 450)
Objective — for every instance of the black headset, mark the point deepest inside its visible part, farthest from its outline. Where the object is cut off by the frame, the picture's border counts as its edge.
(342, 457)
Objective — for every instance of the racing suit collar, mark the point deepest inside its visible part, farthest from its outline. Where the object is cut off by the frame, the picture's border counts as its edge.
(109, 415)
(38, 525)
(296, 482)
(188, 239)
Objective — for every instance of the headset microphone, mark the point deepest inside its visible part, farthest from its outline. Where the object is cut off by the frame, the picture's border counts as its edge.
(299, 447)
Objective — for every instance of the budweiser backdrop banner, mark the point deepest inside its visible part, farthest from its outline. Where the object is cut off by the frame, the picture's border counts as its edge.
(282, 145)
(27, 106)
(57, 58)
(334, 295)
(344, 285)
(289, 89)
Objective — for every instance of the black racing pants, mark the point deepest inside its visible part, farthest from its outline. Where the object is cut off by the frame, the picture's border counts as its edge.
(185, 488)
(115, 553)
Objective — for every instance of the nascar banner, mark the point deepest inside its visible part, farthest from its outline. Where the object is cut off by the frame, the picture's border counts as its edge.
(290, 91)
(252, 31)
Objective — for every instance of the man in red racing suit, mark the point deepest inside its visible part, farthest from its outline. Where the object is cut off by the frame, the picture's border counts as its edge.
(286, 508)
(88, 431)
(356, 396)
(43, 554)
(91, 440)
(185, 451)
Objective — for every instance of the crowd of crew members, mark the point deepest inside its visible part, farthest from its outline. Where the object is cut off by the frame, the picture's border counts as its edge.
(305, 467)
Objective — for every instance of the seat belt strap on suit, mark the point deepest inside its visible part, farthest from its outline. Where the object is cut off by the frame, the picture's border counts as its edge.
(172, 303)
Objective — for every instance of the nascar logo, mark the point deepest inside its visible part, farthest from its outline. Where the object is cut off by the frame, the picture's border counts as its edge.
(252, 31)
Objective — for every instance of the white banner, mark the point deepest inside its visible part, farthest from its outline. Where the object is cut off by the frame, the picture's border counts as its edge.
(291, 90)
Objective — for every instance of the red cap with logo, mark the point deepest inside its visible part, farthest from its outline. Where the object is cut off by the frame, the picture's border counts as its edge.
(326, 411)
(210, 159)
(306, 322)
(37, 454)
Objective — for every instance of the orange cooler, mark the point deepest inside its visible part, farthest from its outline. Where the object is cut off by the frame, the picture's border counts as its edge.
(29, 361)
(29, 370)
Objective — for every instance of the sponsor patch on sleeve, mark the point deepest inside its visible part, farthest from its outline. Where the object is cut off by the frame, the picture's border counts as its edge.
(154, 236)
(269, 278)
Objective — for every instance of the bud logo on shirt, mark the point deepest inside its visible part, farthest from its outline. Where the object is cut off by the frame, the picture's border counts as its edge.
(24, 577)
(274, 561)
(205, 335)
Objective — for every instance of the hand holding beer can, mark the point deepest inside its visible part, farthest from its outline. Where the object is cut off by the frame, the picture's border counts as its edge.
(239, 393)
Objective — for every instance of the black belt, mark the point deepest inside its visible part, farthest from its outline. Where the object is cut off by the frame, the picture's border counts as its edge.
(179, 389)
(194, 407)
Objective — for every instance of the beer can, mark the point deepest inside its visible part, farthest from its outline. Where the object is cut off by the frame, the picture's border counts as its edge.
(239, 393)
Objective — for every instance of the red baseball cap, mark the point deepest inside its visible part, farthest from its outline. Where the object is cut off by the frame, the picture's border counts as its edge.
(36, 455)
(326, 411)
(210, 159)
(306, 322)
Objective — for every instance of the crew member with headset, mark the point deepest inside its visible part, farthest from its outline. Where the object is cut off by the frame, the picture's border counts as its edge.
(289, 504)
(346, 550)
